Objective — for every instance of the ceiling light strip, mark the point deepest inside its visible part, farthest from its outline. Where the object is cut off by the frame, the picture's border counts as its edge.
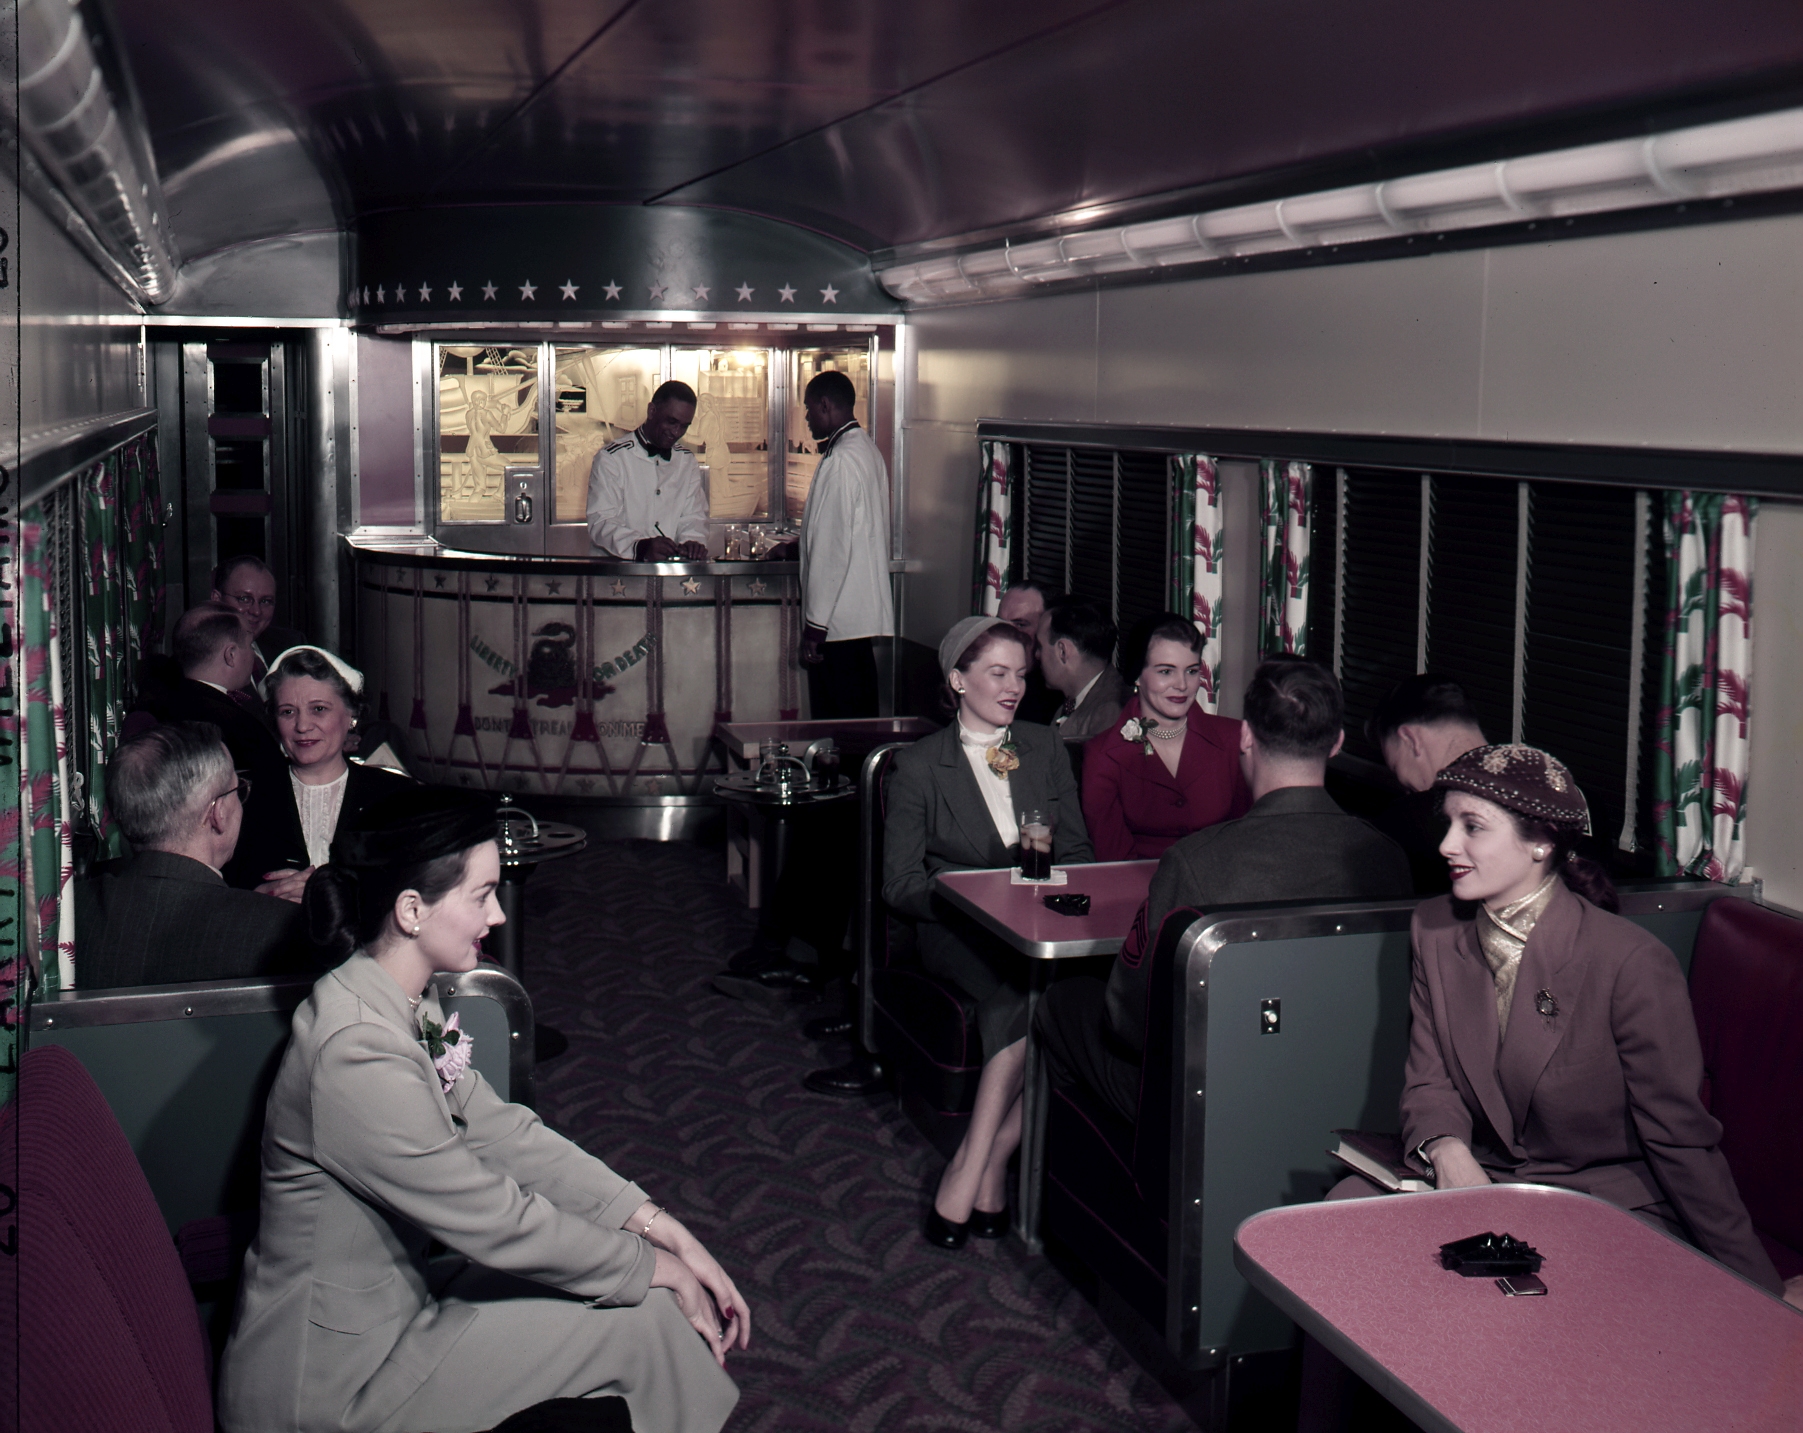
(1759, 154)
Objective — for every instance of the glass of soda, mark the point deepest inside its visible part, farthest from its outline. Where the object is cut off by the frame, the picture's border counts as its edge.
(1036, 845)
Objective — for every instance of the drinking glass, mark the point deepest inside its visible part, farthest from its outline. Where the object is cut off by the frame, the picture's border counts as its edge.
(1036, 845)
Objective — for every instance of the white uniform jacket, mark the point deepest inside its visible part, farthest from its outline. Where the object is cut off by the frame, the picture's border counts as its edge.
(632, 493)
(845, 542)
(365, 1161)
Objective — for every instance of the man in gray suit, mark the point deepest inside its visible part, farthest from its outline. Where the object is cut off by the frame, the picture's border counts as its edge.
(1294, 844)
(1076, 653)
(164, 913)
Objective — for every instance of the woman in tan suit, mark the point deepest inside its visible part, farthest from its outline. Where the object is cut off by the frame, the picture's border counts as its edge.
(564, 1281)
(954, 804)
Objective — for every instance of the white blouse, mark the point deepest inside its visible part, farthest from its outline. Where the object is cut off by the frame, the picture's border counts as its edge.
(998, 795)
(319, 807)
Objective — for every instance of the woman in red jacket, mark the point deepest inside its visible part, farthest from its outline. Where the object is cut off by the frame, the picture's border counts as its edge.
(1168, 768)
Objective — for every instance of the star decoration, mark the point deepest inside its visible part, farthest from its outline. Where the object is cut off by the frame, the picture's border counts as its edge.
(657, 290)
(567, 289)
(701, 293)
(528, 290)
(491, 583)
(438, 579)
(366, 293)
(744, 291)
(454, 293)
(381, 294)
(554, 588)
(425, 293)
(829, 295)
(759, 587)
(786, 293)
(690, 586)
(488, 291)
(612, 290)
(619, 588)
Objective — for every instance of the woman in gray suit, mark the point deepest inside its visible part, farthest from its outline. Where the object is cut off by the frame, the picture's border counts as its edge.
(564, 1280)
(954, 804)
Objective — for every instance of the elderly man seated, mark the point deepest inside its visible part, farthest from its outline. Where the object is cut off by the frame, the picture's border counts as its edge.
(1294, 844)
(164, 913)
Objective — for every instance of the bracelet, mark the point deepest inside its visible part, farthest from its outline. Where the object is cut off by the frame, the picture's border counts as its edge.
(645, 1233)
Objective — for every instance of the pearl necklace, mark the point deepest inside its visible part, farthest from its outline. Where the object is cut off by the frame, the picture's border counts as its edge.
(1164, 733)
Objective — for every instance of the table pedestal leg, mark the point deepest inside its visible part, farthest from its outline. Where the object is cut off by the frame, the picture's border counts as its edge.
(1034, 1094)
(506, 943)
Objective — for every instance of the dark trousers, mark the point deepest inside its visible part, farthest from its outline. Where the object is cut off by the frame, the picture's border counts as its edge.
(844, 685)
(1072, 1021)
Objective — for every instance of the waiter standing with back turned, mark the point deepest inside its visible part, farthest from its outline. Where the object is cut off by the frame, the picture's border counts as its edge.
(845, 600)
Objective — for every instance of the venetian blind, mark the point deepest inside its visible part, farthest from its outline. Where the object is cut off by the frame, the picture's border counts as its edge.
(1380, 592)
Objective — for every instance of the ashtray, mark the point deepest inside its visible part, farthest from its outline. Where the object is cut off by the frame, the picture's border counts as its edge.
(1486, 1256)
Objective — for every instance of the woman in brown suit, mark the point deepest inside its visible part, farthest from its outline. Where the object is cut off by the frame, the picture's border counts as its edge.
(1553, 1041)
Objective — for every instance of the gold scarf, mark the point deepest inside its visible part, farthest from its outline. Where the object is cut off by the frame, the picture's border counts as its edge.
(1503, 935)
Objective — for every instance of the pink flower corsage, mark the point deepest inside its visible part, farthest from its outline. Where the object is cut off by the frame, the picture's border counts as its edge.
(1139, 729)
(449, 1048)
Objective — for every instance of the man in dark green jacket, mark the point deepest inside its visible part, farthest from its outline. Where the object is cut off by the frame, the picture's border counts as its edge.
(1294, 844)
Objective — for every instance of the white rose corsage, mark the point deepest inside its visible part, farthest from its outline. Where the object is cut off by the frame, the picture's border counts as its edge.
(1140, 730)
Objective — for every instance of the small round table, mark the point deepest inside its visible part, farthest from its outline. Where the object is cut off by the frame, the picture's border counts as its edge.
(769, 812)
(522, 849)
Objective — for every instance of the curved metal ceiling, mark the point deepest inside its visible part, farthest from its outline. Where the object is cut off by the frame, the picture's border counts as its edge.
(880, 124)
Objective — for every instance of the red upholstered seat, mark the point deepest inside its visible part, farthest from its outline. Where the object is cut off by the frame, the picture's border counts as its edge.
(1746, 986)
(109, 1340)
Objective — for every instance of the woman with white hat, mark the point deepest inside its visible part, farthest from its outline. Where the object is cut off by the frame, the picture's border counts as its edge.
(954, 803)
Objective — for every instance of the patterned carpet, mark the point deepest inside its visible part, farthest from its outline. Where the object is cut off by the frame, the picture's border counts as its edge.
(811, 1203)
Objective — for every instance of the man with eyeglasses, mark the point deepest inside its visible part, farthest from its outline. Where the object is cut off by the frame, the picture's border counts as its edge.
(164, 913)
(246, 583)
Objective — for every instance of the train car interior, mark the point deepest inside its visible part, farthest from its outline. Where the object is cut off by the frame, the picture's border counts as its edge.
(983, 639)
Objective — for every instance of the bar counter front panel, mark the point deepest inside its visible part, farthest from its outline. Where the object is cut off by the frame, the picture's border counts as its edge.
(573, 677)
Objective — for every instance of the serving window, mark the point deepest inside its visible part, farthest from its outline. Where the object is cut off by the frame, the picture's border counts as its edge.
(516, 428)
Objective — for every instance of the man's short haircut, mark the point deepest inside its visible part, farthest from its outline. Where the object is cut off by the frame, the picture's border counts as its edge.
(1294, 708)
(222, 574)
(157, 783)
(835, 387)
(1047, 595)
(675, 391)
(1084, 624)
(1426, 699)
(201, 632)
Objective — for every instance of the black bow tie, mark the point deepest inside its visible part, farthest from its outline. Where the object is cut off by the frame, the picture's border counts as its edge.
(645, 443)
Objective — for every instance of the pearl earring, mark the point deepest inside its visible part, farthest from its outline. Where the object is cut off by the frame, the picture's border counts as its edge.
(1539, 853)
(416, 928)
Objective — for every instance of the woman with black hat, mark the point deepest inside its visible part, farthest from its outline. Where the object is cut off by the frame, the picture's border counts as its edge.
(564, 1280)
(954, 804)
(1553, 1041)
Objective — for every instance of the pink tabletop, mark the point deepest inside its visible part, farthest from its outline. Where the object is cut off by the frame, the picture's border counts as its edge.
(1020, 916)
(1637, 1332)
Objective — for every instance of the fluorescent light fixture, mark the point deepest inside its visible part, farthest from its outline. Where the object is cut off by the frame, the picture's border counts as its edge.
(1757, 155)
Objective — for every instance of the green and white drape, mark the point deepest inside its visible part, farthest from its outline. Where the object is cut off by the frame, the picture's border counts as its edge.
(93, 551)
(1196, 576)
(1702, 751)
(1284, 490)
(995, 530)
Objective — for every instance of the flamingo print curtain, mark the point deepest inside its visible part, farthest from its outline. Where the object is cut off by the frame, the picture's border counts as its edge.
(995, 488)
(1283, 559)
(1702, 751)
(1196, 585)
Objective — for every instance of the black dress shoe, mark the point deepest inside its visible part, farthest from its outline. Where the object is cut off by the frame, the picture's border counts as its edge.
(786, 984)
(941, 1232)
(861, 1075)
(986, 1225)
(827, 1027)
(755, 958)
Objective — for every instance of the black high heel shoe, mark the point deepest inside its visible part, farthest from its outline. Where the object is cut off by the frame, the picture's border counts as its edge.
(942, 1233)
(986, 1225)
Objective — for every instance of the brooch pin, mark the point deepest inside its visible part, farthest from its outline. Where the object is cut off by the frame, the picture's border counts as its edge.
(1004, 756)
(1545, 1004)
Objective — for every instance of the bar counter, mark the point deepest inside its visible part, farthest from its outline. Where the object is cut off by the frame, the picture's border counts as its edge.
(584, 678)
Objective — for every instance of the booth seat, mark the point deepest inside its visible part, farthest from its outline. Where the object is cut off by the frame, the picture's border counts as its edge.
(1746, 987)
(924, 1028)
(186, 1070)
(1267, 1028)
